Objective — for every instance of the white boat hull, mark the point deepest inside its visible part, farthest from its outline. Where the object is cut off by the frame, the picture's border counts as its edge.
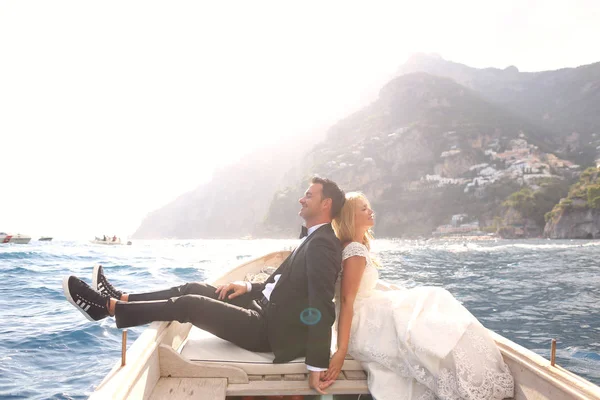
(16, 239)
(20, 239)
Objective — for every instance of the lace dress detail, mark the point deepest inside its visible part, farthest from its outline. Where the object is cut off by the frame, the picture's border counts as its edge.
(421, 343)
(370, 276)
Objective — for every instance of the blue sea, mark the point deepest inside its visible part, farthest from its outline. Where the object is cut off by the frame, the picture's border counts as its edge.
(528, 291)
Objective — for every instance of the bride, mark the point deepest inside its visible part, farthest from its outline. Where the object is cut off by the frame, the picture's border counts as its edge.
(418, 343)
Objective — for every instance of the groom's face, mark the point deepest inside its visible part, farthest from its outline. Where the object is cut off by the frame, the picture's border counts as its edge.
(311, 202)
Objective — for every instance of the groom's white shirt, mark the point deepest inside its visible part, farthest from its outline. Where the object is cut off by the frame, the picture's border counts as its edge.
(270, 286)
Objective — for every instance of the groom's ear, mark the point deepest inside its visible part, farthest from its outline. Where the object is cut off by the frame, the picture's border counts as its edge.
(326, 203)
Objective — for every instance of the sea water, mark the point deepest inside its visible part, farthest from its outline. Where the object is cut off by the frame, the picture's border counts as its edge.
(528, 291)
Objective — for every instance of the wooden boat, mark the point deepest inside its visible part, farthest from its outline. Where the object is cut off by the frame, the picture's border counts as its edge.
(176, 360)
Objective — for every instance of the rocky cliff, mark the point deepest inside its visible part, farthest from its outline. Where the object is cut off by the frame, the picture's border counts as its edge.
(578, 215)
(575, 224)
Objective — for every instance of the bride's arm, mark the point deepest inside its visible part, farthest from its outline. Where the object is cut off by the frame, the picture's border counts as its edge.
(352, 272)
(354, 267)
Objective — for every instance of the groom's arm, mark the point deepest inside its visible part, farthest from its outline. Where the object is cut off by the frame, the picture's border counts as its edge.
(323, 262)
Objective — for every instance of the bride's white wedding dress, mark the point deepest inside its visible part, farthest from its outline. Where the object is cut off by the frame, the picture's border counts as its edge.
(421, 343)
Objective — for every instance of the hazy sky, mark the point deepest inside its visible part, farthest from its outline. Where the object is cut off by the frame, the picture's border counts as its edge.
(109, 110)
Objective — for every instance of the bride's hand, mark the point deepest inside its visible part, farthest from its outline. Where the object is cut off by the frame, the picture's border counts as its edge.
(335, 366)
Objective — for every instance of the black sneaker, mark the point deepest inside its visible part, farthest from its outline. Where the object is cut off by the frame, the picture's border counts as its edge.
(89, 302)
(101, 285)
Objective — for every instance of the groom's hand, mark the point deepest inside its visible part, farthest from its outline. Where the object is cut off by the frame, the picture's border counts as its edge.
(238, 288)
(314, 381)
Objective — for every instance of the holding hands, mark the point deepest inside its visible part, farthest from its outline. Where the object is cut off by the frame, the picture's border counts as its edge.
(317, 381)
(335, 366)
(322, 380)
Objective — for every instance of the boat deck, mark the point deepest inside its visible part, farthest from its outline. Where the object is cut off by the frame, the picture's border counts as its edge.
(208, 364)
(218, 388)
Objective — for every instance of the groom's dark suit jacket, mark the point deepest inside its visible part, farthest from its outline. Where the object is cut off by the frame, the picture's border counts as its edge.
(300, 312)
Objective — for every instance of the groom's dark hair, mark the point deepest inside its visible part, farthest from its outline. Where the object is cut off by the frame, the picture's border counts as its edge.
(331, 191)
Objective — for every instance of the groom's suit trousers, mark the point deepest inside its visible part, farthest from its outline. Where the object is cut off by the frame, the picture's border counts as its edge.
(240, 320)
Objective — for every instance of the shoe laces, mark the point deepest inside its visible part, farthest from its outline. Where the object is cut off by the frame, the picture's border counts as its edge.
(108, 287)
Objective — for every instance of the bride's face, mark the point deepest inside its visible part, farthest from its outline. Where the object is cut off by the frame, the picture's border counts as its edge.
(363, 216)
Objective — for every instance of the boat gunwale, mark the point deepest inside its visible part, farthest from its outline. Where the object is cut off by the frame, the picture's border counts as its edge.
(567, 381)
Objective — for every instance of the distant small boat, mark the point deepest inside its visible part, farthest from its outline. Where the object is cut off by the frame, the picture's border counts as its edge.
(107, 240)
(45, 239)
(114, 241)
(19, 239)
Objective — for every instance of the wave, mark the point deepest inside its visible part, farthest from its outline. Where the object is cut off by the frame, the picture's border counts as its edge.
(19, 255)
(587, 355)
(10, 270)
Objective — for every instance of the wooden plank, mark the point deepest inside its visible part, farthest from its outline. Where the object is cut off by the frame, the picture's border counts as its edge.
(174, 365)
(355, 375)
(255, 378)
(272, 378)
(190, 388)
(294, 377)
(262, 367)
(341, 376)
(270, 388)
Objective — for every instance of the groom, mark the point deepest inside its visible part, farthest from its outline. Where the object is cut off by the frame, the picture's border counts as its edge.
(291, 314)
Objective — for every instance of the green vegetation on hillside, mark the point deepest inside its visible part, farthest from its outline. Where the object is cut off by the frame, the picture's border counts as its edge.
(584, 194)
(535, 204)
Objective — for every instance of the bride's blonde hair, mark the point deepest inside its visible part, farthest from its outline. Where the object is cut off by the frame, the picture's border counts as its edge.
(343, 224)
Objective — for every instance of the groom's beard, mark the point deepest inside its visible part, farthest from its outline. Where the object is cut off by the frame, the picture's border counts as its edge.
(310, 213)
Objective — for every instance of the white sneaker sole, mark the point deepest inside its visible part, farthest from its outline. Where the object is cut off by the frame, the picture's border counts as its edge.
(95, 278)
(65, 285)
